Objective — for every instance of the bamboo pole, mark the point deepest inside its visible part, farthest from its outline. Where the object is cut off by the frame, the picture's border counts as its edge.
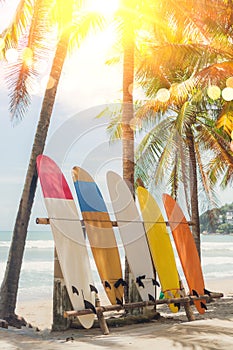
(142, 304)
(46, 221)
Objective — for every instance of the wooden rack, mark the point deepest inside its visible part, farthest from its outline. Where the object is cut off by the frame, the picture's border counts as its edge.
(59, 290)
(101, 309)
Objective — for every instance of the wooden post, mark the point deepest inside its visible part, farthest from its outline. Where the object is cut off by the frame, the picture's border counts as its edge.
(187, 306)
(101, 319)
(3, 323)
(61, 300)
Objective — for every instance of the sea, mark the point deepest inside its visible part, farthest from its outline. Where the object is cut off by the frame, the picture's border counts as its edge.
(36, 279)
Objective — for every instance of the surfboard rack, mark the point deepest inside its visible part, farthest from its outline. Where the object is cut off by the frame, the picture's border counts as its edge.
(68, 315)
(46, 221)
(129, 306)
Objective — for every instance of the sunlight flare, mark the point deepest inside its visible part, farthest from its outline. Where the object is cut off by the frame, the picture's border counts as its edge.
(2, 44)
(229, 82)
(41, 66)
(163, 95)
(105, 7)
(214, 92)
(47, 82)
(11, 55)
(27, 56)
(227, 94)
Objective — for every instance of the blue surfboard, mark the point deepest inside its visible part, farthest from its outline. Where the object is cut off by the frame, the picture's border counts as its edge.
(100, 234)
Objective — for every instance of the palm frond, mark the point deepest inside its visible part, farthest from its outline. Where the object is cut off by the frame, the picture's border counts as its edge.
(174, 178)
(184, 160)
(221, 160)
(114, 113)
(225, 119)
(208, 192)
(188, 59)
(19, 24)
(19, 97)
(179, 94)
(23, 74)
(215, 74)
(185, 117)
(83, 25)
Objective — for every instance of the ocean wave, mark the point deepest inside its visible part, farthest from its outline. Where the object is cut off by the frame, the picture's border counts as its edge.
(216, 246)
(36, 278)
(37, 266)
(217, 274)
(217, 260)
(38, 244)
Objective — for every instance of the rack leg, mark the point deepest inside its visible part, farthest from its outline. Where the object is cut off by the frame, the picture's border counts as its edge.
(188, 310)
(101, 319)
(102, 322)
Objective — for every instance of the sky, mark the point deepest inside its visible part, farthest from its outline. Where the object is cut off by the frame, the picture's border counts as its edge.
(87, 84)
(75, 136)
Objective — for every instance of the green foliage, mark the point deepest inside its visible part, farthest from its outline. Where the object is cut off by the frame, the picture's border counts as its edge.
(216, 220)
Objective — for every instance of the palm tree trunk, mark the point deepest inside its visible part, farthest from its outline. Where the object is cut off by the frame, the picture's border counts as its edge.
(194, 191)
(127, 132)
(9, 287)
(127, 116)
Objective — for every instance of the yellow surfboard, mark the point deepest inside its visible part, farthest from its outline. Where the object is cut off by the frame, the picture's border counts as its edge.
(160, 246)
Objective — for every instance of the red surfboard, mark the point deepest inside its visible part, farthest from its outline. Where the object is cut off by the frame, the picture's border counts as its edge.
(68, 237)
(186, 249)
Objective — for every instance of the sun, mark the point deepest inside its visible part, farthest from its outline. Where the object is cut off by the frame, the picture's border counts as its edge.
(105, 7)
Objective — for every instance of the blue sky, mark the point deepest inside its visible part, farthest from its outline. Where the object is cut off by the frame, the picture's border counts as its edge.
(86, 83)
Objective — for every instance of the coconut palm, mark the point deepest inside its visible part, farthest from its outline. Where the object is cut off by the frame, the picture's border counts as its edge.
(185, 143)
(72, 27)
(180, 48)
(133, 15)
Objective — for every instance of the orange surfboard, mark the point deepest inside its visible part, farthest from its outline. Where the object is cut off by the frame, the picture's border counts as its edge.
(186, 249)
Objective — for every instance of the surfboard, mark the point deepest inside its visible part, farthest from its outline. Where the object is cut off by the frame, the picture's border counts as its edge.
(186, 249)
(132, 235)
(160, 246)
(68, 237)
(100, 234)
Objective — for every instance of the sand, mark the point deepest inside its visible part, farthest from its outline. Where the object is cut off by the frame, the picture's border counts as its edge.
(213, 330)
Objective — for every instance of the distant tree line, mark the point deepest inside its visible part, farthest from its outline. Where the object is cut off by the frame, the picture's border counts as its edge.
(218, 220)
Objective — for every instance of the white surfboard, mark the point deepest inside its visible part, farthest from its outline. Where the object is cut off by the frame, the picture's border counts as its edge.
(132, 235)
(68, 237)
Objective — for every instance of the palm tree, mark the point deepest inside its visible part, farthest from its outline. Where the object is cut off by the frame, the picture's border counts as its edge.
(180, 39)
(128, 110)
(131, 17)
(194, 54)
(183, 145)
(70, 29)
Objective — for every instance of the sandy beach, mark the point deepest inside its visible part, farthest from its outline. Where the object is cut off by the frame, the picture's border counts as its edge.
(213, 330)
